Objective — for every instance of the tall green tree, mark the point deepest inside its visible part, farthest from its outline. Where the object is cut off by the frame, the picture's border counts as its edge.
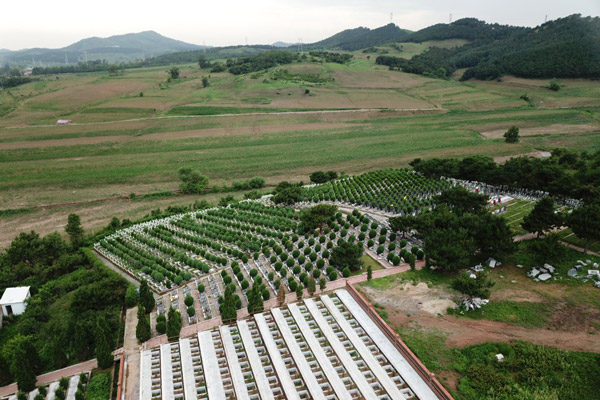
(312, 286)
(174, 72)
(142, 330)
(585, 222)
(255, 299)
(512, 135)
(227, 308)
(74, 230)
(347, 254)
(23, 361)
(318, 216)
(542, 218)
(191, 181)
(402, 224)
(173, 324)
(460, 201)
(146, 297)
(103, 344)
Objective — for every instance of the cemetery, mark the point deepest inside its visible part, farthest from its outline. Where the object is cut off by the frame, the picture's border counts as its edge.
(235, 246)
(328, 347)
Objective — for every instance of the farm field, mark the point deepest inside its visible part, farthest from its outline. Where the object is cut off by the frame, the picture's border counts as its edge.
(356, 118)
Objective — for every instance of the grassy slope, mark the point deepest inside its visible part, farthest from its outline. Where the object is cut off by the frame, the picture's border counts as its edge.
(125, 143)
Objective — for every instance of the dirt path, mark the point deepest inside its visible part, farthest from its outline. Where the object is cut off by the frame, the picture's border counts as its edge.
(132, 356)
(463, 332)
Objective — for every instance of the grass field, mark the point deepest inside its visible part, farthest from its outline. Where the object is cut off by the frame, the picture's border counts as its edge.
(516, 210)
(132, 132)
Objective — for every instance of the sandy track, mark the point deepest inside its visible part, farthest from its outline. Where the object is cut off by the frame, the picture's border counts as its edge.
(544, 130)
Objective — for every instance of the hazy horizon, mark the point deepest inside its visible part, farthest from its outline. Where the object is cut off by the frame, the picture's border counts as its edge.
(64, 22)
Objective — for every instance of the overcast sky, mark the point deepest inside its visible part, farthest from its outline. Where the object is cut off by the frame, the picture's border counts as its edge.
(58, 23)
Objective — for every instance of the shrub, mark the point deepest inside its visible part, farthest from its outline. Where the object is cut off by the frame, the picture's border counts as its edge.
(333, 275)
(189, 300)
(131, 296)
(191, 311)
(201, 288)
(346, 272)
(253, 272)
(161, 327)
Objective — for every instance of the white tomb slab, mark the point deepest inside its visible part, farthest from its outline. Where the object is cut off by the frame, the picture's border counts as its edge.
(187, 369)
(284, 376)
(241, 391)
(73, 382)
(406, 371)
(166, 372)
(340, 350)
(315, 346)
(212, 374)
(146, 375)
(389, 386)
(52, 391)
(307, 374)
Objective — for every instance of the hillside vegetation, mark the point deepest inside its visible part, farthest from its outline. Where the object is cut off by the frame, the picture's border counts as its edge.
(564, 48)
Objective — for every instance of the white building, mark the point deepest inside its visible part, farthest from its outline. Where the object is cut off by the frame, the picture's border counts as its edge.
(13, 300)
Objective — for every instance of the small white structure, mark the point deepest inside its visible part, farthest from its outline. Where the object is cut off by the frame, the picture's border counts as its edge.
(544, 277)
(13, 300)
(64, 122)
(499, 357)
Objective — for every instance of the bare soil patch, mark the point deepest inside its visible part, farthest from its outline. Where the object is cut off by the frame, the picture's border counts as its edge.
(533, 154)
(543, 130)
(412, 299)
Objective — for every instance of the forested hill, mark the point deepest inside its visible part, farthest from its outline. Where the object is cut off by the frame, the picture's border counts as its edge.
(361, 38)
(470, 29)
(564, 48)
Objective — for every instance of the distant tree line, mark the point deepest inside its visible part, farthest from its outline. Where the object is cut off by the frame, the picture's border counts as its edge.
(565, 48)
(565, 174)
(260, 61)
(339, 58)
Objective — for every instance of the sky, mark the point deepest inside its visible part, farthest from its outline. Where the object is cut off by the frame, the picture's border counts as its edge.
(59, 23)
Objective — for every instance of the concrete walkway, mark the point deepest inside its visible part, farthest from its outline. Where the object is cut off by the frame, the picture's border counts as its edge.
(54, 376)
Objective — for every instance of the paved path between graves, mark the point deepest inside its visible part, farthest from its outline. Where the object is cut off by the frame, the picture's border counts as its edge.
(54, 376)
(118, 270)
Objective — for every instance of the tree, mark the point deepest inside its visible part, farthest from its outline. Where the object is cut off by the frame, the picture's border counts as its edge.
(189, 300)
(317, 217)
(542, 218)
(103, 344)
(146, 297)
(312, 286)
(512, 135)
(287, 193)
(473, 287)
(449, 248)
(347, 254)
(203, 62)
(255, 299)
(402, 224)
(322, 284)
(23, 361)
(227, 308)
(131, 296)
(460, 201)
(205, 82)
(191, 181)
(369, 273)
(299, 292)
(319, 177)
(174, 72)
(74, 230)
(161, 324)
(585, 223)
(142, 330)
(173, 324)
